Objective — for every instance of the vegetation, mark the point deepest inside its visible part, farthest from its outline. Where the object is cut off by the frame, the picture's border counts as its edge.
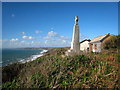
(112, 42)
(55, 70)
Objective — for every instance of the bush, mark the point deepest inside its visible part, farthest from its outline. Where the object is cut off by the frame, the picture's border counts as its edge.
(82, 71)
(112, 42)
(12, 84)
(38, 81)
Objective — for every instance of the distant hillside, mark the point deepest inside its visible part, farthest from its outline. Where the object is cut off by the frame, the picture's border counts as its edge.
(54, 70)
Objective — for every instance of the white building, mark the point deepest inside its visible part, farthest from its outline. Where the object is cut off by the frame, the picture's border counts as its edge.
(96, 44)
(84, 45)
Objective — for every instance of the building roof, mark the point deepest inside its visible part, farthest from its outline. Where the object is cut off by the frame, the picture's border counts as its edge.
(99, 38)
(85, 40)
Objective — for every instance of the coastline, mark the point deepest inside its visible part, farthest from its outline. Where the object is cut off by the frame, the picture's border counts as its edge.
(52, 67)
(33, 57)
(10, 71)
(29, 59)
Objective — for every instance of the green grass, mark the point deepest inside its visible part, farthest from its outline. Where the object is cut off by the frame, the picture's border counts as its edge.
(55, 71)
(38, 81)
(12, 84)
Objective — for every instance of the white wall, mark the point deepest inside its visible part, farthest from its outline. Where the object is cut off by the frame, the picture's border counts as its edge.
(98, 47)
(84, 46)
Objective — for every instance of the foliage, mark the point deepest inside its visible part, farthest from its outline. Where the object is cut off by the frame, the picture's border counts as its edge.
(12, 84)
(112, 42)
(38, 81)
(82, 71)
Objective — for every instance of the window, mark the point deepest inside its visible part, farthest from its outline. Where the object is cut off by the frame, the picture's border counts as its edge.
(95, 46)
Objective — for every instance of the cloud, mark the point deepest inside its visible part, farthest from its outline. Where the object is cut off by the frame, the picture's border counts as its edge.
(0, 43)
(32, 42)
(63, 37)
(22, 41)
(47, 37)
(13, 40)
(64, 41)
(12, 15)
(46, 41)
(52, 39)
(27, 37)
(30, 37)
(56, 43)
(16, 43)
(55, 39)
(23, 33)
(38, 31)
(4, 40)
(52, 34)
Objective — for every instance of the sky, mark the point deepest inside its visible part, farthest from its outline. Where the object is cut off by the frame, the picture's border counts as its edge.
(50, 24)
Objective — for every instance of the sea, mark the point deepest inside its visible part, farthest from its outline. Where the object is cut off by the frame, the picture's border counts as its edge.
(10, 56)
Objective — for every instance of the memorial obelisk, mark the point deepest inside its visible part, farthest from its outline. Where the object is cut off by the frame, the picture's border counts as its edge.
(75, 45)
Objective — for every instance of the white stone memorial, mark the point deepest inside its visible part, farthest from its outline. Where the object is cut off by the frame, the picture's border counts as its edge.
(75, 45)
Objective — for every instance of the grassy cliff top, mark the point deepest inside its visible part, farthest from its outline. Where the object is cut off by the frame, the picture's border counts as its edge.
(55, 70)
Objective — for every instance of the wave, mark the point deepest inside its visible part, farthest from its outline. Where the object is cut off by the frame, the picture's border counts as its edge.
(0, 62)
(33, 57)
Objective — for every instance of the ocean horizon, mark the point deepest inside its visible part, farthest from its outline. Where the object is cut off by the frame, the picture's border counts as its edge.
(22, 55)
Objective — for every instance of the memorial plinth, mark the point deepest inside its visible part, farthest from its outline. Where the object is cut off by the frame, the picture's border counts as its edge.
(75, 45)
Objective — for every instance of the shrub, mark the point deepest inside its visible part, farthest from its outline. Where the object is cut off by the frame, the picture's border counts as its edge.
(38, 81)
(112, 42)
(12, 84)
